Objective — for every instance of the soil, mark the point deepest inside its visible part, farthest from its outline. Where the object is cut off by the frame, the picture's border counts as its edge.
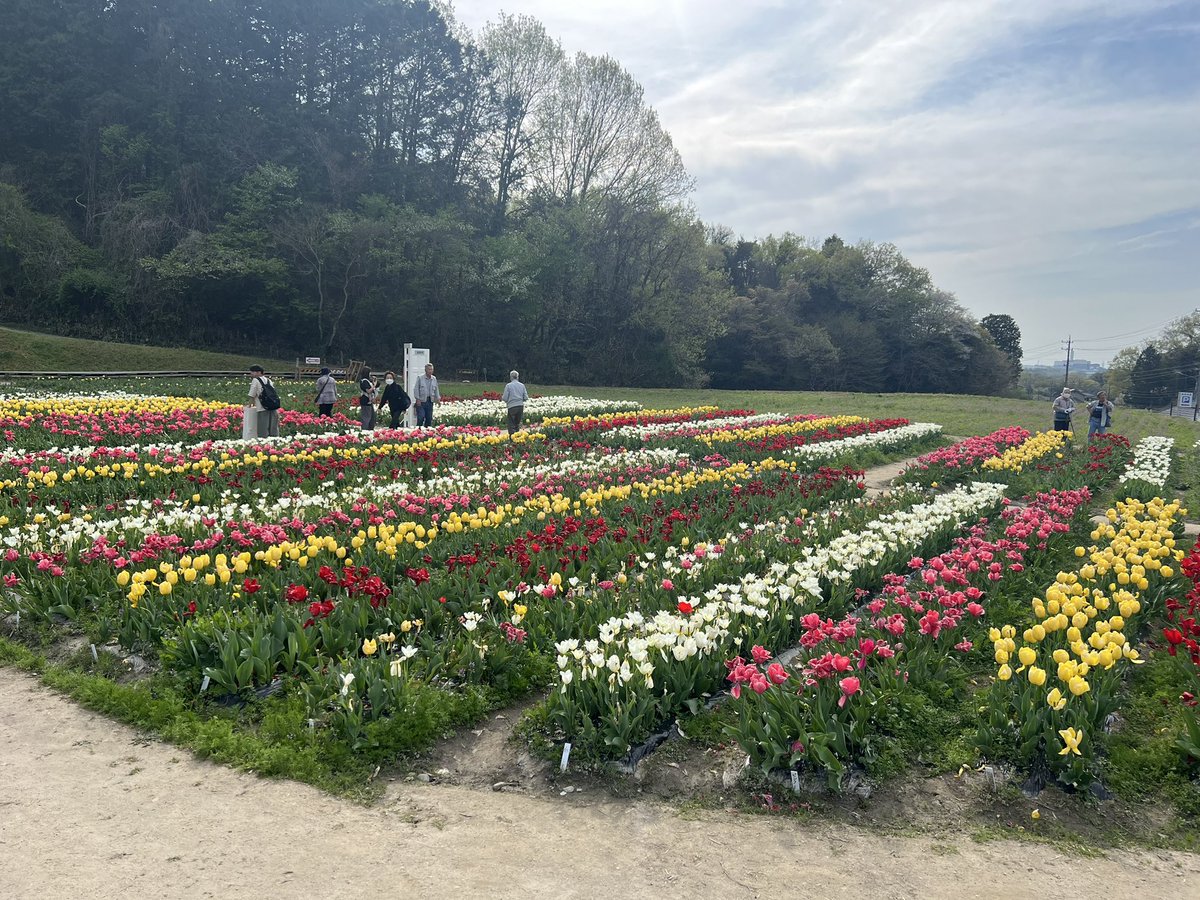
(92, 808)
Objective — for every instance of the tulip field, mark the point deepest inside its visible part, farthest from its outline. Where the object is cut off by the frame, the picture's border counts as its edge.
(361, 594)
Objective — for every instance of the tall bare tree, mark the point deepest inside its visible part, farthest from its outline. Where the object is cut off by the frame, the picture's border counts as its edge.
(525, 64)
(599, 139)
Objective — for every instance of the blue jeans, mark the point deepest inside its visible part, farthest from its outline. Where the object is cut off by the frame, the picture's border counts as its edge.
(1094, 427)
(425, 414)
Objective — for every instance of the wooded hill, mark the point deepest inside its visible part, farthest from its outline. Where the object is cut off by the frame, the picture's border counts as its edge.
(288, 177)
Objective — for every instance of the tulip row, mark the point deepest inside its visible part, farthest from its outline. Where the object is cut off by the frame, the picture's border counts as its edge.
(824, 708)
(484, 411)
(1078, 640)
(1016, 459)
(35, 421)
(1182, 636)
(1150, 467)
(960, 460)
(895, 437)
(637, 669)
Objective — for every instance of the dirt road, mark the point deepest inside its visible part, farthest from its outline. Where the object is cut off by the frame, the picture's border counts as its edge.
(89, 808)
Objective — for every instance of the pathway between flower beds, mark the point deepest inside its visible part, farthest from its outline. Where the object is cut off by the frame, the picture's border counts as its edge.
(92, 808)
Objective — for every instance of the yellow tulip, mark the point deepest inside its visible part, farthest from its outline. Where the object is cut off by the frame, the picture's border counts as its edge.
(1071, 739)
(369, 647)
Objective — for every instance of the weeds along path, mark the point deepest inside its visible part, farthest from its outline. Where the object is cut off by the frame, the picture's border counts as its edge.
(92, 808)
(878, 479)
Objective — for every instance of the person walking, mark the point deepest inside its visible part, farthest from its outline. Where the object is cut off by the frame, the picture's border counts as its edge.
(264, 403)
(1064, 407)
(425, 394)
(394, 398)
(366, 400)
(1099, 415)
(515, 397)
(326, 393)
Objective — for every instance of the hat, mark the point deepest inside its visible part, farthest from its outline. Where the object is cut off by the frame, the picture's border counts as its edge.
(1066, 390)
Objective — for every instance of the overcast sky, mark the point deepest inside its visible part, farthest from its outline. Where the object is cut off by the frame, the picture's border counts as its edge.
(1040, 157)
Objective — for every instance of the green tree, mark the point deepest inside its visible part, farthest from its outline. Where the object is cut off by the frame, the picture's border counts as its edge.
(1006, 335)
(1150, 382)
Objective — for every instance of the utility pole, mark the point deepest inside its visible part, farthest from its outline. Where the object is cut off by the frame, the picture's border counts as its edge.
(1067, 373)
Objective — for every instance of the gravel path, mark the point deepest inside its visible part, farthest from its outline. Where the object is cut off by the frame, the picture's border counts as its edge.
(89, 808)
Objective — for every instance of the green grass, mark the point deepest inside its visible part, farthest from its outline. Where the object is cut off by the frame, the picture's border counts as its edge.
(27, 351)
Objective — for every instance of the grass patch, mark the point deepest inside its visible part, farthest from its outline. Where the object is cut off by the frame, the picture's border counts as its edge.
(1143, 762)
(31, 351)
(271, 738)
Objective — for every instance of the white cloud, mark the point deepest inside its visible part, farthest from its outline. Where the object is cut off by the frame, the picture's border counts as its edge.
(988, 139)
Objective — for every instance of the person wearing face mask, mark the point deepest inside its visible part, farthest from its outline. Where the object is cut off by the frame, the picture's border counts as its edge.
(394, 398)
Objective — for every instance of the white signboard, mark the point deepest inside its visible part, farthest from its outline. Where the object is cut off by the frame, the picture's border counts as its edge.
(1186, 399)
(312, 360)
(415, 359)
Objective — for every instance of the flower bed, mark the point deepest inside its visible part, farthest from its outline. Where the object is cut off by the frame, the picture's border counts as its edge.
(822, 708)
(1079, 641)
(1150, 467)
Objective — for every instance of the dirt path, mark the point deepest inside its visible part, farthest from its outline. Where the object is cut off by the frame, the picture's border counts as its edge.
(879, 478)
(91, 808)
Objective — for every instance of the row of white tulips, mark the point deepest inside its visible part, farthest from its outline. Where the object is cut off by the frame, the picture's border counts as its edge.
(635, 643)
(892, 437)
(1151, 461)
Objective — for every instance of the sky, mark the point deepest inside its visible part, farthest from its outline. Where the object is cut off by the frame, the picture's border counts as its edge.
(1040, 157)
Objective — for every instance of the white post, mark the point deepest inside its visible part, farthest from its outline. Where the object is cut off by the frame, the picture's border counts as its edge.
(415, 359)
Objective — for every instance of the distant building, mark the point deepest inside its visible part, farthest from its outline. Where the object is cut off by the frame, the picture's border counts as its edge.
(1081, 365)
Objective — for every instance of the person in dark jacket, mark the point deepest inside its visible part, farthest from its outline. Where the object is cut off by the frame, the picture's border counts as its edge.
(367, 395)
(394, 398)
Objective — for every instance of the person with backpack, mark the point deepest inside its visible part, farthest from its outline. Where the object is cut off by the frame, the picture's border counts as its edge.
(264, 403)
(326, 393)
(394, 398)
(367, 393)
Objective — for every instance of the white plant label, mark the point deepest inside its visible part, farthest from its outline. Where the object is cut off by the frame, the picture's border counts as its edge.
(204, 684)
(566, 756)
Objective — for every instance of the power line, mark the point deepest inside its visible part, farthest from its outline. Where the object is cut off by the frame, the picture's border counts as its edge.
(1113, 337)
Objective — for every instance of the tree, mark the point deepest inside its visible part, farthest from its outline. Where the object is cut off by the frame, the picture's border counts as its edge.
(525, 64)
(599, 137)
(1151, 380)
(1007, 337)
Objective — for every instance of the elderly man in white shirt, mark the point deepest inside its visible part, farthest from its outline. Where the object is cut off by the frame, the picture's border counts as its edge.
(425, 394)
(515, 397)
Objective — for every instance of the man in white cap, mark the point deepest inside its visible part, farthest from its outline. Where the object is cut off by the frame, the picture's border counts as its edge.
(1064, 406)
(515, 396)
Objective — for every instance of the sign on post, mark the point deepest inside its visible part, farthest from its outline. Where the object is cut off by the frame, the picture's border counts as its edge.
(415, 359)
(1186, 399)
(312, 360)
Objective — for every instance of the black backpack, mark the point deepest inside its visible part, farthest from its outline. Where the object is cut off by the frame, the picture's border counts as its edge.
(269, 398)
